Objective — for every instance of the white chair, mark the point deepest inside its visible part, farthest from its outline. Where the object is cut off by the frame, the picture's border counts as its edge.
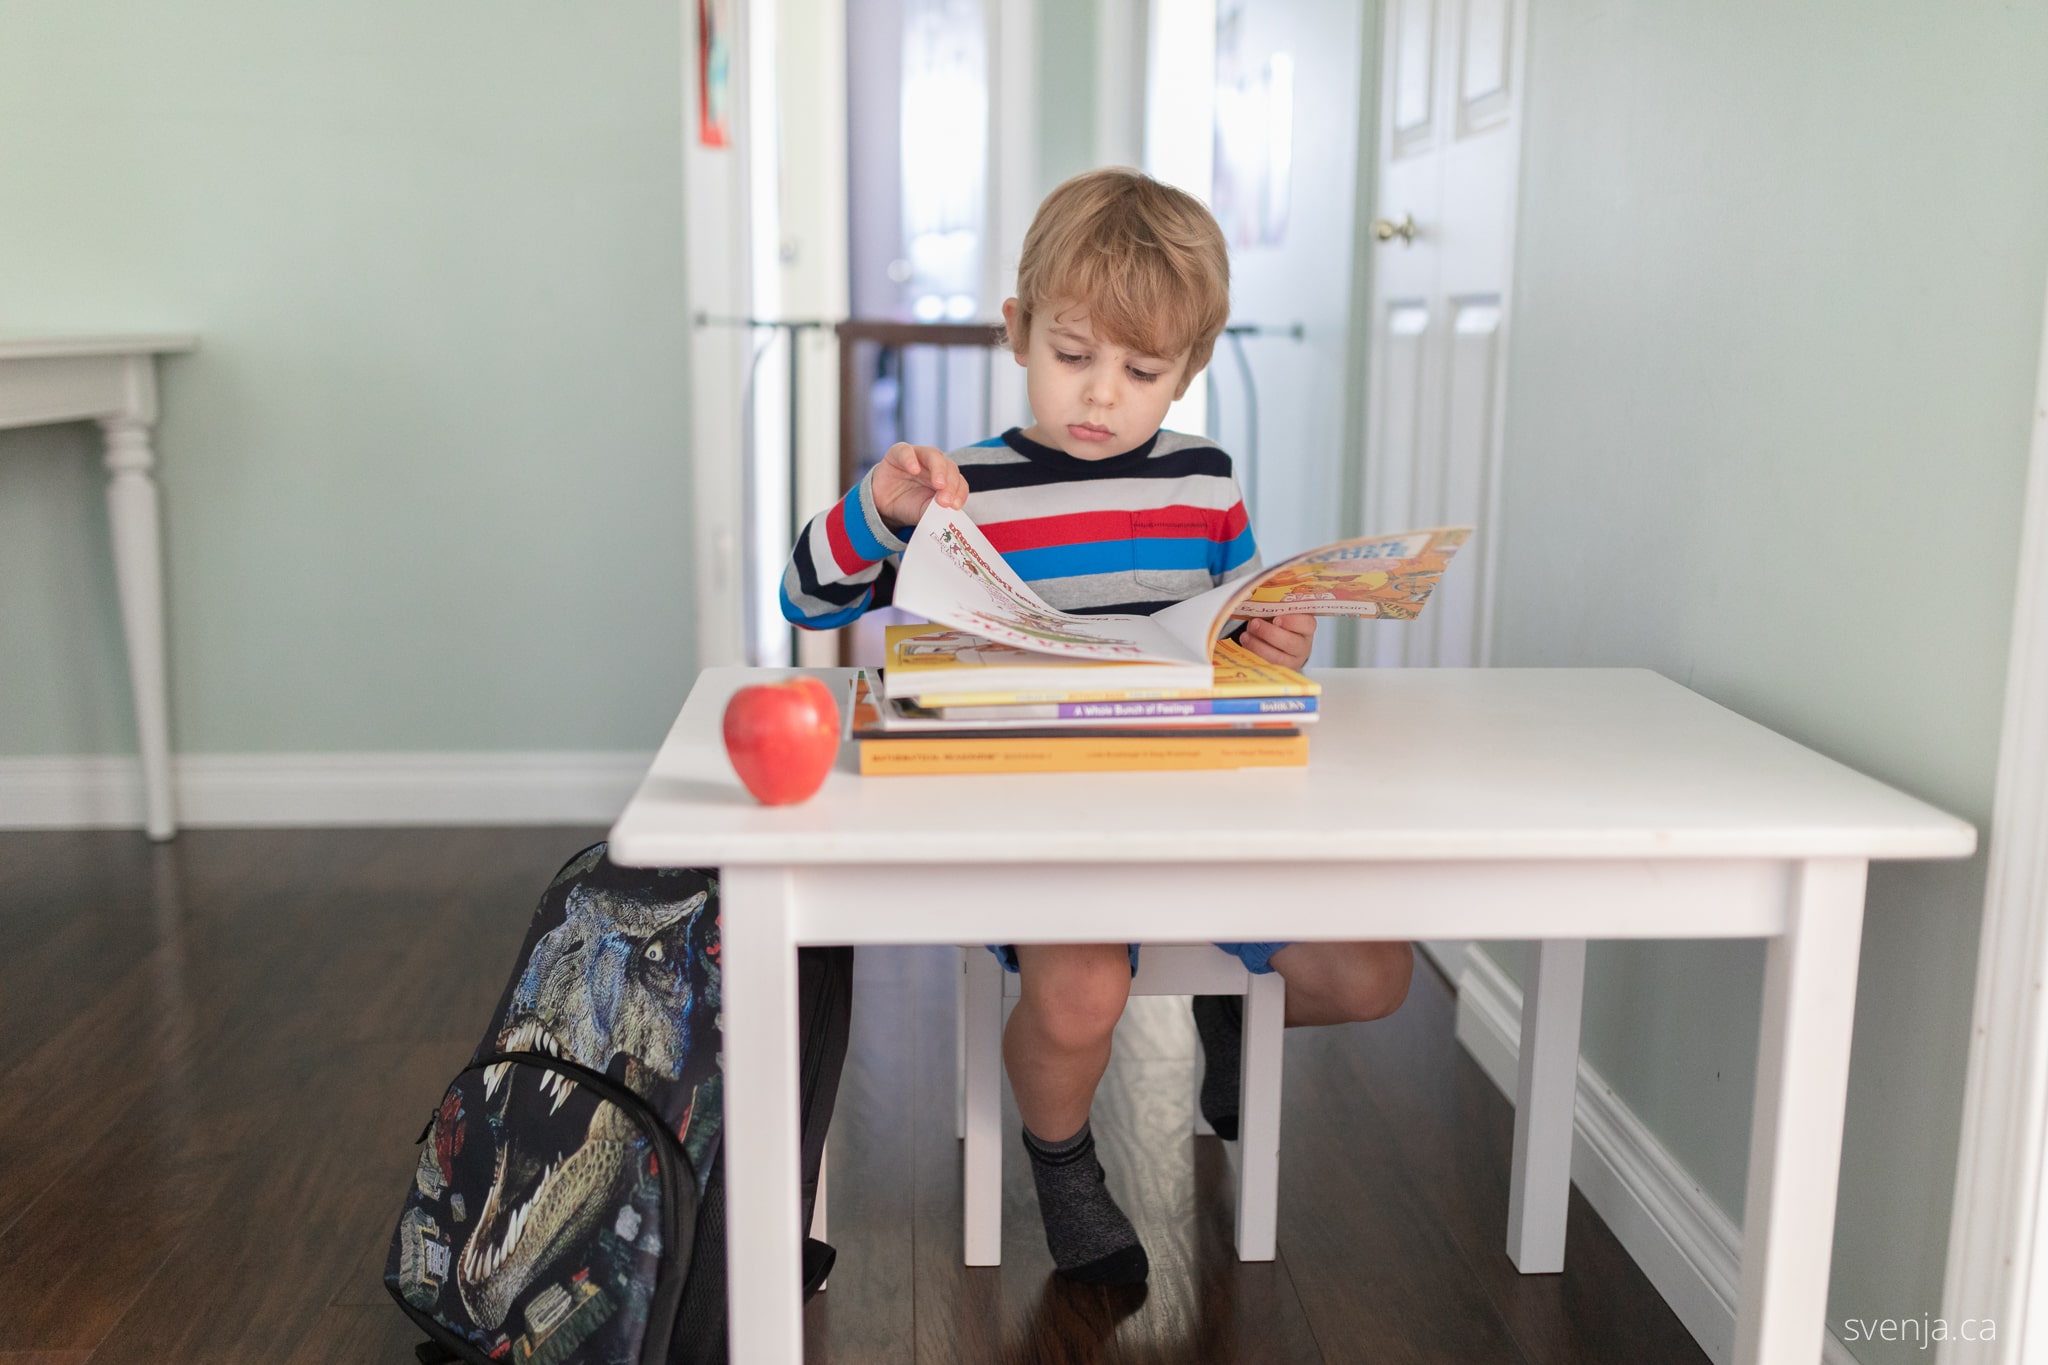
(1163, 969)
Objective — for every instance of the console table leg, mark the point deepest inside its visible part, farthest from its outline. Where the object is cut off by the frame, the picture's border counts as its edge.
(1795, 1135)
(132, 513)
(1540, 1184)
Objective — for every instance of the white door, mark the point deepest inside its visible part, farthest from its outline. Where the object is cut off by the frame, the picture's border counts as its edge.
(1449, 143)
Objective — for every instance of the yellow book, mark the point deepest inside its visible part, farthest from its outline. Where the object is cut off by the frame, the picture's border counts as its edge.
(923, 649)
(1090, 754)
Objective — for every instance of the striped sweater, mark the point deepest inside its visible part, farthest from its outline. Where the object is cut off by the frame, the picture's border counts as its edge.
(1132, 533)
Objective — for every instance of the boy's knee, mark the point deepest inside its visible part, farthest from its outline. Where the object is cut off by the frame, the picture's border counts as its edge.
(1380, 984)
(1353, 982)
(1077, 992)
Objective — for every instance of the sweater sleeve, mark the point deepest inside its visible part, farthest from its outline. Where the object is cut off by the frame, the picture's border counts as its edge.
(830, 578)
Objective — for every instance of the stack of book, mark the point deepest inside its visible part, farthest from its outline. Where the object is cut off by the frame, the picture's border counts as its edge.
(1002, 682)
(949, 702)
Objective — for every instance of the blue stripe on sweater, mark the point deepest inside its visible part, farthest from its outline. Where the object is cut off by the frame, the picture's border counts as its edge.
(794, 615)
(1236, 552)
(1119, 556)
(858, 533)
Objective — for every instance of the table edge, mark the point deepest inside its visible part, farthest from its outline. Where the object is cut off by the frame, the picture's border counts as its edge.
(98, 344)
(631, 848)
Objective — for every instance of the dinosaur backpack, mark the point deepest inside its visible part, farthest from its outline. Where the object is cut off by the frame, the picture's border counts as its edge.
(569, 1202)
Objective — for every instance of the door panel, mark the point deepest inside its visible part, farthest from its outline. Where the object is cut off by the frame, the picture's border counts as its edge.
(1400, 424)
(1470, 385)
(1412, 68)
(1483, 65)
(1402, 345)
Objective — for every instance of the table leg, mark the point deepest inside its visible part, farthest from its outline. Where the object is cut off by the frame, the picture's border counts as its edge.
(1258, 1110)
(133, 516)
(981, 1162)
(763, 1193)
(1540, 1186)
(1795, 1136)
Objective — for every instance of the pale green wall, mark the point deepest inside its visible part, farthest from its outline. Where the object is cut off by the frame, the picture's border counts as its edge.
(426, 482)
(1066, 90)
(1777, 316)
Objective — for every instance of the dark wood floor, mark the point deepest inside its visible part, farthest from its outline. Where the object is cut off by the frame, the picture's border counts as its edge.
(215, 1055)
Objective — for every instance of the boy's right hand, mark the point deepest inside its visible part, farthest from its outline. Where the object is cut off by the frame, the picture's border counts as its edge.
(910, 477)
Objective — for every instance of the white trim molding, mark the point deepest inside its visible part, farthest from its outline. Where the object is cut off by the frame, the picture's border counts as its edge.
(1998, 1214)
(1688, 1248)
(1449, 956)
(715, 189)
(299, 790)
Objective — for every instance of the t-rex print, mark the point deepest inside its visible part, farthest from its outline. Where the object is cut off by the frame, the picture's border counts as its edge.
(628, 975)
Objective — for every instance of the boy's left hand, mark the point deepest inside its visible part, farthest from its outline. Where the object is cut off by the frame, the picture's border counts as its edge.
(1283, 640)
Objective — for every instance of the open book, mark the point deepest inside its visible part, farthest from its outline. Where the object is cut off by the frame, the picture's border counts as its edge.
(952, 576)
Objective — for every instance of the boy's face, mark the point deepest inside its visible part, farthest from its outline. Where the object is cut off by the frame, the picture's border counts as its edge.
(1090, 398)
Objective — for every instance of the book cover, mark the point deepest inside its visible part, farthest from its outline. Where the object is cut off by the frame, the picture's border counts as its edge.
(1132, 712)
(935, 666)
(1107, 753)
(871, 717)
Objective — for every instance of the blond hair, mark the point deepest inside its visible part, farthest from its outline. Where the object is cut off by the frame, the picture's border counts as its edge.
(1147, 260)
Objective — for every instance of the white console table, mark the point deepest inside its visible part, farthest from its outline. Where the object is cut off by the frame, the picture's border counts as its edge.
(112, 381)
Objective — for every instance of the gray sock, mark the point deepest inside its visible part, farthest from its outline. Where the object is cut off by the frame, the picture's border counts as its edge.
(1090, 1238)
(1219, 1021)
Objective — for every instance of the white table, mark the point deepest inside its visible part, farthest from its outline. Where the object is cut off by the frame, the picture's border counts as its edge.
(1559, 805)
(112, 380)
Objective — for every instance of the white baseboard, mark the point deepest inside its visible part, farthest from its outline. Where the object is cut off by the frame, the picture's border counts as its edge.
(1449, 956)
(1688, 1248)
(326, 789)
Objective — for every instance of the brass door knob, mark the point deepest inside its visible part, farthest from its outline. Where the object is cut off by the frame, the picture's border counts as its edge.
(1386, 230)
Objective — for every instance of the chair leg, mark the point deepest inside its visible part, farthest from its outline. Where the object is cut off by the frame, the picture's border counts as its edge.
(982, 1164)
(1202, 1126)
(960, 1044)
(1258, 1118)
(818, 1208)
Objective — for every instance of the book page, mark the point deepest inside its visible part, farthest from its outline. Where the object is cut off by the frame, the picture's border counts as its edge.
(1384, 577)
(931, 648)
(951, 575)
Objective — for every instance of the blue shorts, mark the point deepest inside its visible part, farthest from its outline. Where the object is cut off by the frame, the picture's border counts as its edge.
(1256, 957)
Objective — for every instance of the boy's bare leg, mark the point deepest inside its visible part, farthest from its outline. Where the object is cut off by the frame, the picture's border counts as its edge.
(1344, 983)
(1057, 1043)
(1055, 1049)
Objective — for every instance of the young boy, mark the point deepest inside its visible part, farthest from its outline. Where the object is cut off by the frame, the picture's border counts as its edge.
(1122, 289)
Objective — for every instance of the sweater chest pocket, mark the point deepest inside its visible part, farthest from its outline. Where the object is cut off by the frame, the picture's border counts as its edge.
(1171, 549)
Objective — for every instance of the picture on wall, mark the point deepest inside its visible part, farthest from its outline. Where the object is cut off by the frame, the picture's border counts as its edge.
(1254, 142)
(714, 72)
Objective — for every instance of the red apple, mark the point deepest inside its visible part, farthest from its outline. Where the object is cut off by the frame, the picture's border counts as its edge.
(782, 738)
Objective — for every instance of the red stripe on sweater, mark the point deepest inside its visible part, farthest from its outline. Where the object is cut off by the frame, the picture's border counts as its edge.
(1081, 528)
(843, 553)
